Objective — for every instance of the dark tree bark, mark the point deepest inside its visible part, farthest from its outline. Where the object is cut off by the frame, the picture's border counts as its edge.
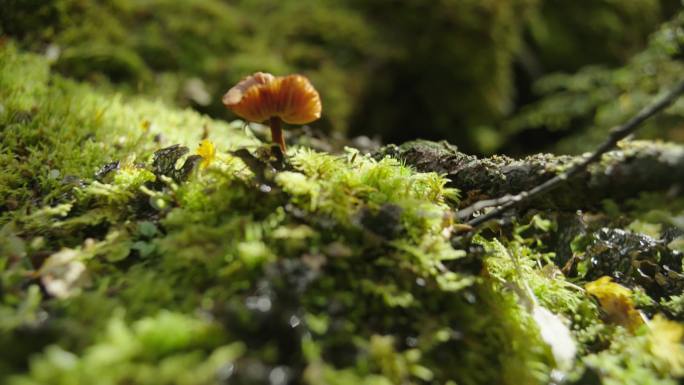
(637, 166)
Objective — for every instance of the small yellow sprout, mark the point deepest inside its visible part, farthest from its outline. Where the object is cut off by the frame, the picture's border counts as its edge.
(207, 151)
(616, 302)
(145, 125)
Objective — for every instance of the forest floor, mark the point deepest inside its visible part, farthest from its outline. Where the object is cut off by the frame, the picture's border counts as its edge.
(146, 244)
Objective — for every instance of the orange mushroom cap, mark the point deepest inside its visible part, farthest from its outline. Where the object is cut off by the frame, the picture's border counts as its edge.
(262, 96)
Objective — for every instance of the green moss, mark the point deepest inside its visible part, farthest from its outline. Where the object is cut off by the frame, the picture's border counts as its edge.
(675, 305)
(647, 357)
(165, 348)
(56, 133)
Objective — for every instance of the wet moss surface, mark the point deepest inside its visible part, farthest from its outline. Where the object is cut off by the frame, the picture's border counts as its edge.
(128, 255)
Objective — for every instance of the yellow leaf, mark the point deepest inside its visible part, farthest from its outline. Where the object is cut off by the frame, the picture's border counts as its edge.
(616, 303)
(207, 151)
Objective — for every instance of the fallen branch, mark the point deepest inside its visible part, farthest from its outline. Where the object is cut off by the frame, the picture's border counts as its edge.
(506, 203)
(634, 167)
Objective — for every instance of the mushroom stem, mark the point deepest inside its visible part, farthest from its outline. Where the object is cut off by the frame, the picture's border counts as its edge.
(277, 132)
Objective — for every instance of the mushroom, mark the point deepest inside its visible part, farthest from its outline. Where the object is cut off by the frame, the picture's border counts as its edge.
(262, 96)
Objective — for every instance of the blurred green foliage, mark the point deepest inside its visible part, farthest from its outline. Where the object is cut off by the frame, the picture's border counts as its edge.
(399, 69)
(566, 35)
(190, 53)
(580, 108)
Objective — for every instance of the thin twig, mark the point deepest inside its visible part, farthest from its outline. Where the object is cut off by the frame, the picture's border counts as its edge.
(507, 202)
(466, 212)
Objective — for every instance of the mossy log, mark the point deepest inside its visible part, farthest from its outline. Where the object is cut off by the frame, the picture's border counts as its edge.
(311, 268)
(635, 167)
